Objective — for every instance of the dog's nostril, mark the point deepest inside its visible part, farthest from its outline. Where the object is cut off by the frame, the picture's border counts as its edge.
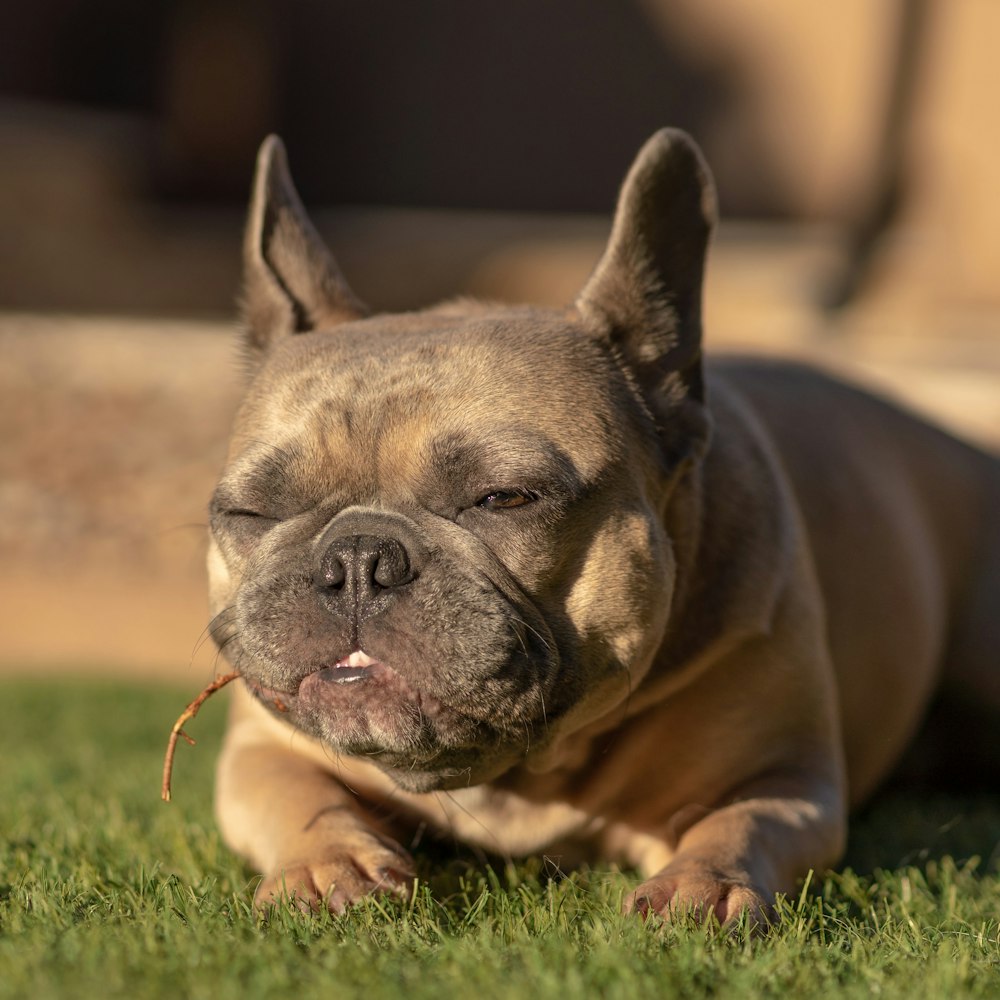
(391, 567)
(333, 575)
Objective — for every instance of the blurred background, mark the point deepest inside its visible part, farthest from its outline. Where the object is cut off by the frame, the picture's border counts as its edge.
(442, 147)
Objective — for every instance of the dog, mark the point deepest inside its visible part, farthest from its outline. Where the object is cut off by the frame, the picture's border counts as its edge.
(544, 580)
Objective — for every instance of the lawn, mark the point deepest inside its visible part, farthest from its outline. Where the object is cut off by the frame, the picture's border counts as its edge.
(106, 891)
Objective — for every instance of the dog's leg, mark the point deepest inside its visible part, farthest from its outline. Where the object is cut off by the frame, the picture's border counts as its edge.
(736, 857)
(297, 823)
(763, 756)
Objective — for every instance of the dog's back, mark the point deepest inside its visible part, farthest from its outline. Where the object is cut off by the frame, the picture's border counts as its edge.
(885, 496)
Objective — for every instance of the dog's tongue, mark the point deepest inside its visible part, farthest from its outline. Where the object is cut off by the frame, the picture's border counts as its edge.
(356, 667)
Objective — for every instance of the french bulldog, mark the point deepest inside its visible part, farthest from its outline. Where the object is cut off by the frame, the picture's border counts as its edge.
(544, 580)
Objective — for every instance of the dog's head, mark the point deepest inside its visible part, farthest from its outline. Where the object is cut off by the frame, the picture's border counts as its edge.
(439, 539)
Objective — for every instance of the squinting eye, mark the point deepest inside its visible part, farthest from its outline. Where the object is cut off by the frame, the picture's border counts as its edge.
(503, 500)
(241, 514)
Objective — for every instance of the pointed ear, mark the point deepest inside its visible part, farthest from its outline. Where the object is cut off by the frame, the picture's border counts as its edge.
(645, 294)
(291, 283)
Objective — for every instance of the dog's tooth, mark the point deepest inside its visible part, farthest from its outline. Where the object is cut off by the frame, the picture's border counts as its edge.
(359, 658)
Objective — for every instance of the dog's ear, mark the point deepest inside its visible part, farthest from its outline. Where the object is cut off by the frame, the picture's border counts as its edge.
(291, 283)
(645, 294)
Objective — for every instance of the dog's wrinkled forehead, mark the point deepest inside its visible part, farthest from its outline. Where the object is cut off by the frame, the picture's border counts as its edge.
(381, 401)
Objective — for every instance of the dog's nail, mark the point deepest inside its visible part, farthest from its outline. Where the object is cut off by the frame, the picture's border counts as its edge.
(393, 877)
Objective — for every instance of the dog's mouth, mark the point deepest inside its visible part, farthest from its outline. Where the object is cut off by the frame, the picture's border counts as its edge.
(356, 684)
(364, 707)
(359, 666)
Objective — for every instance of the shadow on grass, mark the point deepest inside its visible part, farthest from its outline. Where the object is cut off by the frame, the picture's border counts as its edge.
(904, 827)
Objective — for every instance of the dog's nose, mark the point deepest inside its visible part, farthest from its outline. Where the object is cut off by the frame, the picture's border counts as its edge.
(356, 571)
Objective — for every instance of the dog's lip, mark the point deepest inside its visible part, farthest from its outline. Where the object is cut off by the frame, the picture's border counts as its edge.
(359, 666)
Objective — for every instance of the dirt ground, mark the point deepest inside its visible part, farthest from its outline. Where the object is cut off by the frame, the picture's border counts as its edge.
(113, 430)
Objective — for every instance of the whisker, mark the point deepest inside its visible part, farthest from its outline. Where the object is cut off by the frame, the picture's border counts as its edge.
(538, 635)
(475, 819)
(207, 632)
(220, 651)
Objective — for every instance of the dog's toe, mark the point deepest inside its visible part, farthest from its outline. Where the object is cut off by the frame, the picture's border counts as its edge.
(336, 882)
(702, 895)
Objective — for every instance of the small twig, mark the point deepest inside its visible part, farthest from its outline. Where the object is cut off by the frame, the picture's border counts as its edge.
(189, 713)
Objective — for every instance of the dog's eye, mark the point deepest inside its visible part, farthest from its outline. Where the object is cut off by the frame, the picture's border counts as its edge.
(229, 518)
(241, 520)
(505, 499)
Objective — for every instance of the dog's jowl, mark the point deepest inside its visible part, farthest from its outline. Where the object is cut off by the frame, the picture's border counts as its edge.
(546, 579)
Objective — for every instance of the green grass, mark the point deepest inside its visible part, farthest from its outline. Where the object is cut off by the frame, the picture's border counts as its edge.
(106, 891)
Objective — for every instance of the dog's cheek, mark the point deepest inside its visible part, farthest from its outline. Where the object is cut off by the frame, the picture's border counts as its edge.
(458, 635)
(531, 550)
(220, 580)
(283, 627)
(230, 562)
(631, 559)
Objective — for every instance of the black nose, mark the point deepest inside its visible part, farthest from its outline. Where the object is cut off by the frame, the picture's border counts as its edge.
(356, 572)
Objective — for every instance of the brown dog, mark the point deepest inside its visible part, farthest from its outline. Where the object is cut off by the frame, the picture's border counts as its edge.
(540, 580)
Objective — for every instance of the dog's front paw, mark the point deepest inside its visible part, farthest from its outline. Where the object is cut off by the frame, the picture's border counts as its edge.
(701, 893)
(337, 880)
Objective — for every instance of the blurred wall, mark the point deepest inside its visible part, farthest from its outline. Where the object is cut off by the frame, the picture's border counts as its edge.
(527, 105)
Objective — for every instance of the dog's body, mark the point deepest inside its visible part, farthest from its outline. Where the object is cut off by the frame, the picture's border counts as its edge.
(536, 579)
